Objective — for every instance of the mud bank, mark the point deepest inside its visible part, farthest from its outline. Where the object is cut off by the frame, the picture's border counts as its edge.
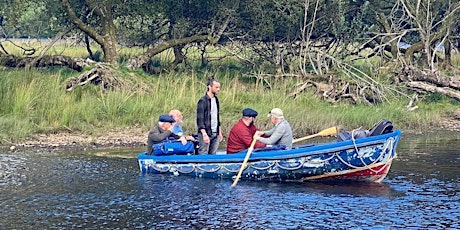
(133, 137)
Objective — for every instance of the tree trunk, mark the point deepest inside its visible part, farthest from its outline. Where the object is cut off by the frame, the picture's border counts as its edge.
(107, 39)
(447, 54)
(88, 47)
(178, 55)
(386, 26)
(109, 42)
(409, 55)
(144, 59)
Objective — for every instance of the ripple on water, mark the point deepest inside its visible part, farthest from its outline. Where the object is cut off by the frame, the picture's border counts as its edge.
(80, 190)
(11, 169)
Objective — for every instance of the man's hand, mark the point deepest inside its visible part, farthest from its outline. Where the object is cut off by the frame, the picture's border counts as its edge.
(206, 139)
(258, 134)
(183, 140)
(190, 138)
(221, 137)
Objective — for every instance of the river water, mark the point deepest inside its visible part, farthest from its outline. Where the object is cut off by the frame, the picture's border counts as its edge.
(103, 189)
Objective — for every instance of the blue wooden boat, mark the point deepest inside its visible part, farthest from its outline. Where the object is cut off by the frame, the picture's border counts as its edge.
(365, 159)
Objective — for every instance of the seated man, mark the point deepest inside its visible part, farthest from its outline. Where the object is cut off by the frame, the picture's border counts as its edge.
(177, 128)
(162, 131)
(280, 134)
(240, 136)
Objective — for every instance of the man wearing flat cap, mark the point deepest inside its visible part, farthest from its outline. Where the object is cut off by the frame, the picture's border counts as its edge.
(241, 134)
(162, 131)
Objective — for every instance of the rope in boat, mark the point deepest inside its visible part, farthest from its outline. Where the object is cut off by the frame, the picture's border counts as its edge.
(315, 161)
(286, 168)
(179, 169)
(263, 168)
(211, 171)
(388, 143)
(233, 171)
(159, 169)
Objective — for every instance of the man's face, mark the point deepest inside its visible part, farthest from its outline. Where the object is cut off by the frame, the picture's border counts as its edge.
(215, 87)
(166, 125)
(251, 120)
(178, 117)
(273, 119)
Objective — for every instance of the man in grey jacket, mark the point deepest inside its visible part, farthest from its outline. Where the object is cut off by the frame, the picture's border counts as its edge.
(281, 133)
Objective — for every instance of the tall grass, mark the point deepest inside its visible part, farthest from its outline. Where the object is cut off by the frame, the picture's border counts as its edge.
(36, 102)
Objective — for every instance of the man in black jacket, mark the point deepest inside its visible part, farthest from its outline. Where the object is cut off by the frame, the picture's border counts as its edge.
(208, 120)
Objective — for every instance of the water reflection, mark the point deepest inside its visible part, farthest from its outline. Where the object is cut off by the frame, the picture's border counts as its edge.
(104, 190)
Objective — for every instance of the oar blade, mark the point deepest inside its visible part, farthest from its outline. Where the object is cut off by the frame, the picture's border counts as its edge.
(329, 132)
(326, 132)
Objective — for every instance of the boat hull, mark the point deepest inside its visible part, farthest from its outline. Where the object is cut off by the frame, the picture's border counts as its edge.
(366, 160)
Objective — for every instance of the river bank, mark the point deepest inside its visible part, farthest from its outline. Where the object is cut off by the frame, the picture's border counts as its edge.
(37, 108)
(135, 137)
(77, 141)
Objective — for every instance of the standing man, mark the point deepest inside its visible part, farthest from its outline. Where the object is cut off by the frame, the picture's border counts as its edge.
(208, 120)
(241, 134)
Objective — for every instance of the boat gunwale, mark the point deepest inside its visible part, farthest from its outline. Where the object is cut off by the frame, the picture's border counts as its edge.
(313, 150)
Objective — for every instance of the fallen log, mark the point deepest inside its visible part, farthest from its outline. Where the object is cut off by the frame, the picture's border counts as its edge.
(99, 75)
(433, 77)
(449, 92)
(76, 64)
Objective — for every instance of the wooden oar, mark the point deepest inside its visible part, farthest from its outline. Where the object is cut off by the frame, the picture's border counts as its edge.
(325, 132)
(245, 161)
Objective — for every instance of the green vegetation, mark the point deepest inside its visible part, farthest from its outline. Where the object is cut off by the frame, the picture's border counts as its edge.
(161, 52)
(36, 102)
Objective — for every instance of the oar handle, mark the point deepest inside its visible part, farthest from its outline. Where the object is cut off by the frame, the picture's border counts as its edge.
(245, 161)
(305, 138)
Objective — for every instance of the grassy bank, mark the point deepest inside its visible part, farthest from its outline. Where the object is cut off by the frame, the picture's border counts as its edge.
(36, 102)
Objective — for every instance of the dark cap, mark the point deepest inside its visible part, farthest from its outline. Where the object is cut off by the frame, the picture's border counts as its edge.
(166, 118)
(248, 112)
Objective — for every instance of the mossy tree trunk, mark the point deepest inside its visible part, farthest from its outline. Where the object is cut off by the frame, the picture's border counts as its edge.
(107, 38)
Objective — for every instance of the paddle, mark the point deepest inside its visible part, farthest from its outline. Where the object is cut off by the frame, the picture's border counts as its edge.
(245, 161)
(325, 132)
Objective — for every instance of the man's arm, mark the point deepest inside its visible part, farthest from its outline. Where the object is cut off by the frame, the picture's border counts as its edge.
(276, 134)
(157, 136)
(200, 116)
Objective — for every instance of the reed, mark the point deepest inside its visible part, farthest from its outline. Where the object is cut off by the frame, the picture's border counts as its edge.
(36, 102)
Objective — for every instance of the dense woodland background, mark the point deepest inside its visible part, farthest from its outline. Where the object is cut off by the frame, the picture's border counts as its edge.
(318, 41)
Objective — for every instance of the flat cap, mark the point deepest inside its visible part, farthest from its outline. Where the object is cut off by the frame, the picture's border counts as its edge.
(166, 118)
(248, 112)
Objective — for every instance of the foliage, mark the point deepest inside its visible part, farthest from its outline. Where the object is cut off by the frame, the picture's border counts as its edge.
(272, 29)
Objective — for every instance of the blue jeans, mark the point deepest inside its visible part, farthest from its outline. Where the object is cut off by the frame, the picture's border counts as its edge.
(210, 148)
